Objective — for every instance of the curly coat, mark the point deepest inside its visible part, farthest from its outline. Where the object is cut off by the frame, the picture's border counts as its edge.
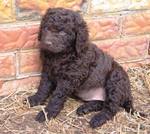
(73, 66)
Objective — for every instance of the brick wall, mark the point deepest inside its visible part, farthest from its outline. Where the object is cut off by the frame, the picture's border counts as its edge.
(119, 27)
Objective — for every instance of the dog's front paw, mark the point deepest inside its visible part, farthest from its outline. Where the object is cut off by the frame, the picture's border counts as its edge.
(97, 122)
(82, 110)
(33, 101)
(41, 117)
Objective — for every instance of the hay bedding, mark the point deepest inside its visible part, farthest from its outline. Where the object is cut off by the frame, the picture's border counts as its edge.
(17, 118)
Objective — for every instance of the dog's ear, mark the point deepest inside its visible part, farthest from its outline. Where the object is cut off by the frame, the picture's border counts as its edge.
(44, 21)
(40, 33)
(81, 34)
(41, 27)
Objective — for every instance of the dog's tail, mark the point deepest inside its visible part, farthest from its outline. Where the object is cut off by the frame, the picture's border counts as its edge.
(128, 106)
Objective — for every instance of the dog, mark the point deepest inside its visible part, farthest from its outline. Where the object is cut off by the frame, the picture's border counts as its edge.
(73, 66)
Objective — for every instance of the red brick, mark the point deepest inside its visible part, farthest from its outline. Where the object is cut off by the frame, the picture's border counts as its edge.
(126, 49)
(7, 65)
(18, 38)
(1, 84)
(8, 87)
(72, 4)
(29, 62)
(42, 5)
(149, 49)
(137, 23)
(103, 28)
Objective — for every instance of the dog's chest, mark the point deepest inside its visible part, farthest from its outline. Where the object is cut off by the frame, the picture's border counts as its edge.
(58, 67)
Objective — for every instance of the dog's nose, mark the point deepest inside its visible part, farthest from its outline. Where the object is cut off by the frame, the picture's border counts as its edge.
(48, 42)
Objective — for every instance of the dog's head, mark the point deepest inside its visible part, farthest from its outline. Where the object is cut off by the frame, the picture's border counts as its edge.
(62, 29)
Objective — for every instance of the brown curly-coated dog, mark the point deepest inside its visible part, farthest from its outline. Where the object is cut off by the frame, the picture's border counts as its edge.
(73, 66)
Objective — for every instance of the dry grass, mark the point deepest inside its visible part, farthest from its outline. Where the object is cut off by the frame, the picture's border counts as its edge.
(16, 118)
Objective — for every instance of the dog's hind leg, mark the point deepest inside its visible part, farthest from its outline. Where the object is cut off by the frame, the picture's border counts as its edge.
(117, 91)
(91, 106)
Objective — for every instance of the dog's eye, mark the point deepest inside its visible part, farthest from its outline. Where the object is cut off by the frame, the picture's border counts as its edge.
(46, 28)
(62, 33)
